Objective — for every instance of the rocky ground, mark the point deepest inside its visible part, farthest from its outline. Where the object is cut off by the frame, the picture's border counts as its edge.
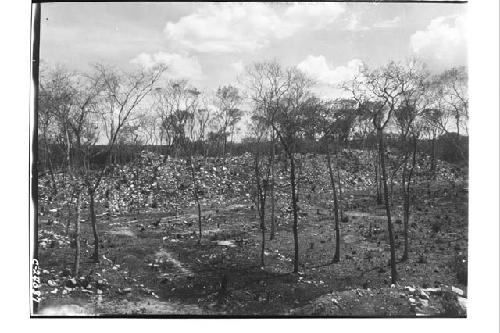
(152, 264)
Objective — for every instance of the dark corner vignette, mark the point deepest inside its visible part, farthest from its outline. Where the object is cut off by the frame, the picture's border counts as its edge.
(35, 66)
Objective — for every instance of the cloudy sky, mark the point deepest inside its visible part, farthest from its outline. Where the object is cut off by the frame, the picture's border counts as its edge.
(210, 44)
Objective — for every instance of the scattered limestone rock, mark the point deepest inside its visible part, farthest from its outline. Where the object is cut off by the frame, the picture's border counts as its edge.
(423, 294)
(457, 291)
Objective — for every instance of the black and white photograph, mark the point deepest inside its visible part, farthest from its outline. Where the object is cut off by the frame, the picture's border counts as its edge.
(250, 160)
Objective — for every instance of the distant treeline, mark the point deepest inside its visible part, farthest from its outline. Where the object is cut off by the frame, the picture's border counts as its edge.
(445, 148)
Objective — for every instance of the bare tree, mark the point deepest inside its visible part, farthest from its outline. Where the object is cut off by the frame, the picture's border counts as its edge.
(193, 136)
(77, 235)
(174, 105)
(261, 180)
(203, 119)
(451, 104)
(47, 132)
(67, 99)
(452, 90)
(121, 95)
(184, 121)
(147, 128)
(378, 92)
(431, 117)
(279, 96)
(336, 121)
(57, 97)
(414, 100)
(272, 154)
(228, 99)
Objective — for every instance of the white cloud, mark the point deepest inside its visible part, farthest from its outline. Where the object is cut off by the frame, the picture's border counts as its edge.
(318, 68)
(443, 42)
(395, 22)
(178, 66)
(237, 27)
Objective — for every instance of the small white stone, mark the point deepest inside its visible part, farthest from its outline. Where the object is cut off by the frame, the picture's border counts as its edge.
(457, 291)
(410, 289)
(423, 295)
(463, 302)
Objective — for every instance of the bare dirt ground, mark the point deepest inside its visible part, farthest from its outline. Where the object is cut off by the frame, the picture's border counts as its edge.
(152, 264)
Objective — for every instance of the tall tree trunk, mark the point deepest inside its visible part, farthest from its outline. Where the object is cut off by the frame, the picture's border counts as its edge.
(380, 183)
(261, 206)
(381, 186)
(336, 257)
(77, 152)
(199, 220)
(68, 151)
(109, 199)
(377, 177)
(432, 176)
(394, 276)
(93, 221)
(295, 214)
(273, 226)
(298, 177)
(340, 201)
(459, 148)
(68, 221)
(77, 235)
(406, 204)
(406, 218)
(225, 144)
(263, 230)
